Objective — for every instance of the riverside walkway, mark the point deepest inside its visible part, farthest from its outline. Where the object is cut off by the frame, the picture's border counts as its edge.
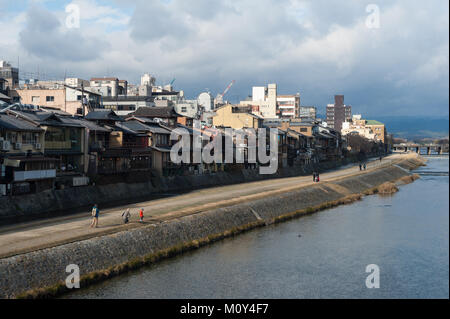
(31, 236)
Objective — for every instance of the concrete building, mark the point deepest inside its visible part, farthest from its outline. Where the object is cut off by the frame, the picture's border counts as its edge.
(236, 117)
(10, 74)
(370, 129)
(288, 106)
(144, 90)
(110, 85)
(67, 99)
(43, 97)
(357, 127)
(124, 105)
(148, 79)
(338, 113)
(379, 129)
(123, 87)
(173, 96)
(264, 101)
(187, 108)
(308, 113)
(77, 82)
(206, 100)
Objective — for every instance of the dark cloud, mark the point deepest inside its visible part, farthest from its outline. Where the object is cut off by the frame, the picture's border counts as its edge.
(318, 48)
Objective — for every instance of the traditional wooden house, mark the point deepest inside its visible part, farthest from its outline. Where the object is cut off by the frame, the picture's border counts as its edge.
(23, 166)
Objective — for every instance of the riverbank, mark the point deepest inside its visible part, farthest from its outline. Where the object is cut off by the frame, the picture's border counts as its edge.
(102, 257)
(64, 202)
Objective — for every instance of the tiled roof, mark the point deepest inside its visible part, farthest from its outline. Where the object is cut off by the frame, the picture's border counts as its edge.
(162, 112)
(139, 127)
(10, 122)
(105, 115)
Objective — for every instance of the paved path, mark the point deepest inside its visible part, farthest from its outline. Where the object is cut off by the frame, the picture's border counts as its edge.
(51, 232)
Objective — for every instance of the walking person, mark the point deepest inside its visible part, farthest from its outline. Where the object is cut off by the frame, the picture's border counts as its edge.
(318, 178)
(360, 166)
(95, 212)
(126, 216)
(314, 176)
(365, 166)
(141, 215)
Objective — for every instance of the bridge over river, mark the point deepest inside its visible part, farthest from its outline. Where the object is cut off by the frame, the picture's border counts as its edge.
(438, 149)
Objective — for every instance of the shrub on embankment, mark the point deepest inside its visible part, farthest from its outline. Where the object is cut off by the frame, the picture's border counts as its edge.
(103, 257)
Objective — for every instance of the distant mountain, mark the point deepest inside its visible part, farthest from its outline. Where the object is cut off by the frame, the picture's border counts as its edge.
(416, 127)
(412, 127)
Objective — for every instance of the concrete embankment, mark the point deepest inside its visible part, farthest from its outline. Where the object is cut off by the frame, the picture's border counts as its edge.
(102, 257)
(60, 202)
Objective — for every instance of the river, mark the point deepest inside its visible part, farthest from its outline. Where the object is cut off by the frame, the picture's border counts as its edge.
(324, 255)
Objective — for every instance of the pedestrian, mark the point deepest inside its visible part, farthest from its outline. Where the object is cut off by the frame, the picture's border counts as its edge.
(360, 166)
(126, 216)
(365, 166)
(318, 178)
(95, 212)
(141, 215)
(381, 158)
(314, 176)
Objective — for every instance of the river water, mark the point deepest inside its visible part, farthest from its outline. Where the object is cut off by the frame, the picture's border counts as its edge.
(324, 255)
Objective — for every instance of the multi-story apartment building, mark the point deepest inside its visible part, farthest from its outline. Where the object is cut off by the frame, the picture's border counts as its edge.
(338, 113)
(288, 106)
(124, 105)
(236, 117)
(370, 129)
(379, 129)
(10, 74)
(67, 99)
(308, 113)
(50, 97)
(264, 101)
(110, 86)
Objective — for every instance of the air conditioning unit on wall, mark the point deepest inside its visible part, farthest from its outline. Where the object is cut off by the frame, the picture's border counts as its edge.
(5, 146)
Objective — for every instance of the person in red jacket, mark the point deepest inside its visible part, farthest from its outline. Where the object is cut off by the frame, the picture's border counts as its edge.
(141, 215)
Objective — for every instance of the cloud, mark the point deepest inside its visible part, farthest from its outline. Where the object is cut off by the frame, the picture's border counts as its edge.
(45, 36)
(318, 48)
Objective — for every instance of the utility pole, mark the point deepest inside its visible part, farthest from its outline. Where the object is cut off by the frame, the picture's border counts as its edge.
(82, 99)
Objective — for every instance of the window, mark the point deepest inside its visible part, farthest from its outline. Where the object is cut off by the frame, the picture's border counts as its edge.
(29, 138)
(184, 109)
(55, 134)
(50, 99)
(303, 129)
(35, 99)
(11, 137)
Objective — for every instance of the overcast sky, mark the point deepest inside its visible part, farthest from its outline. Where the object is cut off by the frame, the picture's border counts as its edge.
(317, 48)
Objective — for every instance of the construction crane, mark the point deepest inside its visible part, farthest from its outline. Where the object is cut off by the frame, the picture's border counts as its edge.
(228, 88)
(172, 82)
(219, 97)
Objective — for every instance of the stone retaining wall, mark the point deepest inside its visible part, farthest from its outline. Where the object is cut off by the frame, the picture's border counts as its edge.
(56, 202)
